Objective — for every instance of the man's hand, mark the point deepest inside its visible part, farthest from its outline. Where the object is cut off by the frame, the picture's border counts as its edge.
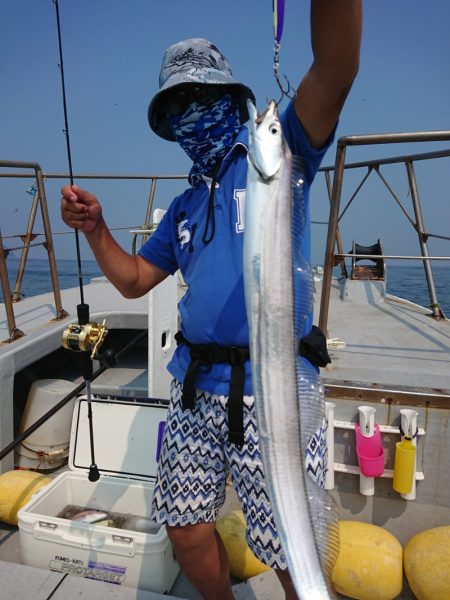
(80, 209)
(133, 276)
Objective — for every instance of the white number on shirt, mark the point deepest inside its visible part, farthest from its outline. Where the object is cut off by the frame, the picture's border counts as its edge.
(239, 196)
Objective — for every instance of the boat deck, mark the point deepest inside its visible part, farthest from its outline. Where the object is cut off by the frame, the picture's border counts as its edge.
(22, 582)
(391, 342)
(35, 316)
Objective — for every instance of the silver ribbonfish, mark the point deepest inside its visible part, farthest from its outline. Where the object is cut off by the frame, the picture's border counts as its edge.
(288, 395)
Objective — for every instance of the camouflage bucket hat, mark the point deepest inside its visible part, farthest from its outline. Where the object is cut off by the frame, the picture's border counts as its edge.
(195, 61)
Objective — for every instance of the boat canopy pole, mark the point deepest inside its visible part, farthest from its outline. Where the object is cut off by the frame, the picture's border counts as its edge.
(86, 337)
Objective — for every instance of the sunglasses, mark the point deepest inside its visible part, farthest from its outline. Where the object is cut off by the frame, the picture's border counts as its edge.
(176, 102)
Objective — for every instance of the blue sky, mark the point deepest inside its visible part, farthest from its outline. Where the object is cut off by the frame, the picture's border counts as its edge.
(112, 55)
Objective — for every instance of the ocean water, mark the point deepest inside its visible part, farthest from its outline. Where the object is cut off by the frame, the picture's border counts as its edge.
(409, 282)
(37, 280)
(406, 281)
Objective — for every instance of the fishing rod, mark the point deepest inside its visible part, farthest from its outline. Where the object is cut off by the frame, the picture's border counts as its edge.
(84, 338)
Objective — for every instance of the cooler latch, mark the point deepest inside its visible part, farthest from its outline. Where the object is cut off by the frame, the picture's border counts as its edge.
(122, 539)
(46, 525)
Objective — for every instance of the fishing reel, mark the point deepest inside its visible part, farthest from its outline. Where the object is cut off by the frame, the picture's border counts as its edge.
(87, 337)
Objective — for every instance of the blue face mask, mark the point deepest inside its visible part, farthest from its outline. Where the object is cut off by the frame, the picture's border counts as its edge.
(205, 132)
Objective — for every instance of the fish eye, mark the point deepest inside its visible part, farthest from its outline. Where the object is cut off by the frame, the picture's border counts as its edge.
(273, 130)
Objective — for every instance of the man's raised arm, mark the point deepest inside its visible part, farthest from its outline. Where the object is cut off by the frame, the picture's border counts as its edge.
(335, 37)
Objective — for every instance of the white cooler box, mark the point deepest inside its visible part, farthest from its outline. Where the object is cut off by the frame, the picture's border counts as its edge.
(127, 439)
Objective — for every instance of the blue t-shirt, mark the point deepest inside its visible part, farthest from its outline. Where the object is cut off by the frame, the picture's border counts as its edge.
(212, 311)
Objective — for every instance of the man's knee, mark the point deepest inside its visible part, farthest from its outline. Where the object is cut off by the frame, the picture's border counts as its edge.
(189, 537)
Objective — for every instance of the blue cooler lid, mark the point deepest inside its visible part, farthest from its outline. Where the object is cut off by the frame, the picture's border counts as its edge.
(127, 437)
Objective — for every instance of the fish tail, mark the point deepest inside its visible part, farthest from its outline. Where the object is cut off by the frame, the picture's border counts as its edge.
(313, 432)
(324, 514)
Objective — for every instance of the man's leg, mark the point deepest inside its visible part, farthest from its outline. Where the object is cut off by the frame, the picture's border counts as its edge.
(203, 558)
(190, 488)
(249, 482)
(286, 581)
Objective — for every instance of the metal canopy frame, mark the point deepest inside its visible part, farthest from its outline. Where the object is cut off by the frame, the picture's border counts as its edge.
(332, 258)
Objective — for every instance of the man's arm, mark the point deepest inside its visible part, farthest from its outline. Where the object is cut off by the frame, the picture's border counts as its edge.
(335, 36)
(133, 276)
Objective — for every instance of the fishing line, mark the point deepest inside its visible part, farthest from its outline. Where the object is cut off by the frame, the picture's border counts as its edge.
(67, 136)
(84, 336)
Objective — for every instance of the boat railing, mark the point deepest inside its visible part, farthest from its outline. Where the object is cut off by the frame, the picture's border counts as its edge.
(34, 171)
(334, 254)
(40, 201)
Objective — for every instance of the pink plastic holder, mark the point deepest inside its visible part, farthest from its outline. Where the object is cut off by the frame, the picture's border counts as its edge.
(370, 452)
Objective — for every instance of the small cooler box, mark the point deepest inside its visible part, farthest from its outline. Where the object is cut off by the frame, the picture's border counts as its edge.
(122, 546)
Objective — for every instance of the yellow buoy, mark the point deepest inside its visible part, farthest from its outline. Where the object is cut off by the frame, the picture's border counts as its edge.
(427, 564)
(243, 563)
(369, 565)
(16, 488)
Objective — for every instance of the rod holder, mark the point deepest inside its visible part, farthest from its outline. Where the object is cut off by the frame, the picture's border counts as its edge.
(408, 424)
(368, 448)
(329, 417)
(367, 420)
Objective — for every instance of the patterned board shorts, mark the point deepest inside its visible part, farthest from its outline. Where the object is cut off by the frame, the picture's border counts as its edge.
(195, 460)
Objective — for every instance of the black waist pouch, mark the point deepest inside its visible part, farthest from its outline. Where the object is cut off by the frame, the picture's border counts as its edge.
(314, 347)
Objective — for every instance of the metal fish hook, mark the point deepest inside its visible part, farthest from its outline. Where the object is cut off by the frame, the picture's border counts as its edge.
(285, 91)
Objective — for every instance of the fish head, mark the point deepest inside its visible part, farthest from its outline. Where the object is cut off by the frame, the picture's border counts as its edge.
(266, 141)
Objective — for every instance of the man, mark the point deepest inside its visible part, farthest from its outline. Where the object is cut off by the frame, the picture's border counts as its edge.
(211, 427)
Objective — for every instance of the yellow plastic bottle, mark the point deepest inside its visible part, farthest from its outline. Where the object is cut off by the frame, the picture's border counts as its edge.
(405, 466)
